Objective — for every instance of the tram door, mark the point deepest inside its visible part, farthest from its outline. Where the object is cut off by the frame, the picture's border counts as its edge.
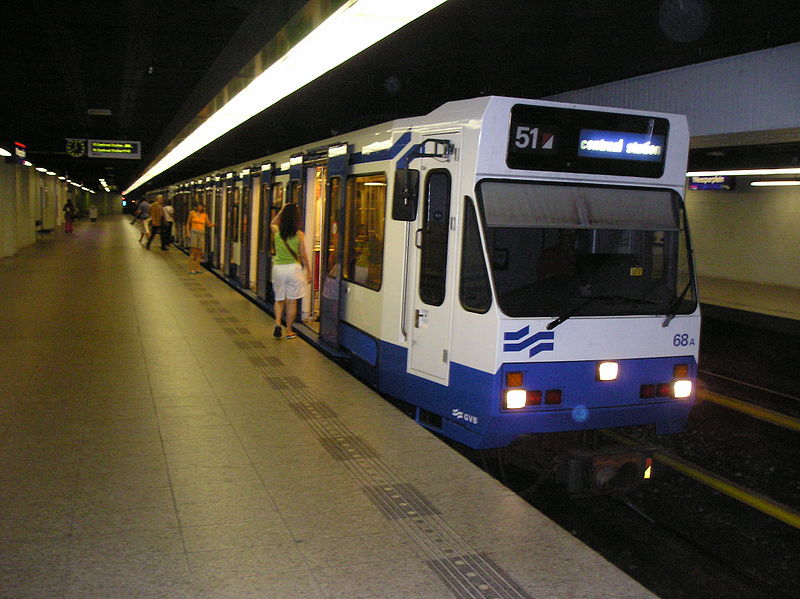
(332, 255)
(430, 270)
(314, 211)
(220, 232)
(263, 258)
(233, 198)
(241, 254)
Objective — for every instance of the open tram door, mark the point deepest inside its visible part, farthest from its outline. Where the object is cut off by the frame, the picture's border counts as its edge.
(234, 193)
(266, 213)
(429, 295)
(214, 210)
(224, 223)
(312, 209)
(240, 211)
(332, 256)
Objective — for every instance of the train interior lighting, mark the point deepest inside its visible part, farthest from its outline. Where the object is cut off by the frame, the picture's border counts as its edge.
(347, 32)
(775, 183)
(607, 371)
(753, 172)
(4, 152)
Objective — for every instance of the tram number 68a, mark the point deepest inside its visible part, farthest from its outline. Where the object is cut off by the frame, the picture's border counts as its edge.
(682, 340)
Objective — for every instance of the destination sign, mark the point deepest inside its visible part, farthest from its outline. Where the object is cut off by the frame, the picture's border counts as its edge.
(548, 138)
(621, 146)
(105, 148)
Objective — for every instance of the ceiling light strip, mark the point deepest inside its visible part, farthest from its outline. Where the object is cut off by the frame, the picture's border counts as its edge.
(744, 172)
(353, 28)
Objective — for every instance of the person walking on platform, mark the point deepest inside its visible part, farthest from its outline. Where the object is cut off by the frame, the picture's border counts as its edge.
(69, 216)
(140, 216)
(288, 265)
(196, 226)
(166, 224)
(156, 218)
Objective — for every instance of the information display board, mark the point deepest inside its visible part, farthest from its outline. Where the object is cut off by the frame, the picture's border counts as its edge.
(547, 138)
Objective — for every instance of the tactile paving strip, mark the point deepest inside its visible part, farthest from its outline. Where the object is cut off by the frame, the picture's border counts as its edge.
(467, 573)
(400, 500)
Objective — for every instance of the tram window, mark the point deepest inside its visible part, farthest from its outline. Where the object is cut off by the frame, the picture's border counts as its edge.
(435, 229)
(278, 193)
(474, 291)
(365, 206)
(294, 192)
(598, 250)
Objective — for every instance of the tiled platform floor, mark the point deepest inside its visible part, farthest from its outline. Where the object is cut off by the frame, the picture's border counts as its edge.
(155, 441)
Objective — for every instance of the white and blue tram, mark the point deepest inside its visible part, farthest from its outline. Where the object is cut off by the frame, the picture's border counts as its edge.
(505, 266)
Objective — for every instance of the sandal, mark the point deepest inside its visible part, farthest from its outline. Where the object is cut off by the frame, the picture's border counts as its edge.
(291, 336)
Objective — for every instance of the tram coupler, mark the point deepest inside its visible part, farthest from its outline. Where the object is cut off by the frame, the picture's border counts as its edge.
(604, 470)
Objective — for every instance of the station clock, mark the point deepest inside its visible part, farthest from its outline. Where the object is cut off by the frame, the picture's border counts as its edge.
(76, 147)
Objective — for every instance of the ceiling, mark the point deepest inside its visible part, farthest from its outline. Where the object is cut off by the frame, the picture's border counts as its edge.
(154, 65)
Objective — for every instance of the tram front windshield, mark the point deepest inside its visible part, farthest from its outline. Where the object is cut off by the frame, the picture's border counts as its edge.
(586, 250)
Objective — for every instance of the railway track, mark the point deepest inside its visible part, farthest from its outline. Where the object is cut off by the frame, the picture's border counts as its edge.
(693, 531)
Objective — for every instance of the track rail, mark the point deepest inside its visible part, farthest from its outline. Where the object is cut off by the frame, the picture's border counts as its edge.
(764, 504)
(764, 414)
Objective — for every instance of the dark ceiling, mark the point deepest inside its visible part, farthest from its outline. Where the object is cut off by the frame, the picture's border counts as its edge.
(155, 64)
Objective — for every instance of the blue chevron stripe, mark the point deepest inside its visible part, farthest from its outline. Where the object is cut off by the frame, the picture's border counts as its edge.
(544, 335)
(515, 335)
(540, 348)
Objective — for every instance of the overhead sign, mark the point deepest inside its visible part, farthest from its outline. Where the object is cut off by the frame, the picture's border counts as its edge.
(621, 145)
(105, 148)
(20, 151)
(718, 182)
(549, 138)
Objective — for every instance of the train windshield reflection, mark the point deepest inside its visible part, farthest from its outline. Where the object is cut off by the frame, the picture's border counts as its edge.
(586, 250)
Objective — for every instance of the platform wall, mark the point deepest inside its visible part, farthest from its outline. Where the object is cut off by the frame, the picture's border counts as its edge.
(756, 91)
(751, 234)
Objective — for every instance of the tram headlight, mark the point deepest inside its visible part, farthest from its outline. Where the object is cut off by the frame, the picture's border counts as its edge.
(516, 398)
(607, 371)
(682, 389)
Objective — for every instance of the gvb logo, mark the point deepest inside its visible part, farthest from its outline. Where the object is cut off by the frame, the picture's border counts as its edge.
(522, 339)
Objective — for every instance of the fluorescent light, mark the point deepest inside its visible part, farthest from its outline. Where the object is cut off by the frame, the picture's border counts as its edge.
(27, 163)
(41, 169)
(755, 171)
(774, 183)
(51, 173)
(353, 28)
(4, 152)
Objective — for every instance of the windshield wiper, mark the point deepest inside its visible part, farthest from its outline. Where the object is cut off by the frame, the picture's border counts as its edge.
(591, 300)
(672, 309)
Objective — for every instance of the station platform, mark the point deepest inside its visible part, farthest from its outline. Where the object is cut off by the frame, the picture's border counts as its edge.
(157, 442)
(765, 300)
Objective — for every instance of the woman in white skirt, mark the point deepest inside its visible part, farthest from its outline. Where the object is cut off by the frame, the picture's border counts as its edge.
(290, 269)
